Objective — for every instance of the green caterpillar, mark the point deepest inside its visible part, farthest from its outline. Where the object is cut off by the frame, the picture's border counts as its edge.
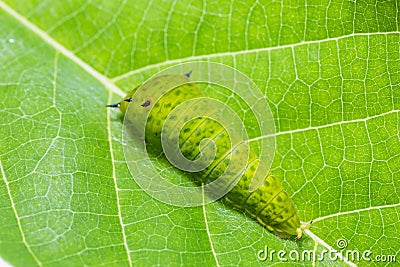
(269, 204)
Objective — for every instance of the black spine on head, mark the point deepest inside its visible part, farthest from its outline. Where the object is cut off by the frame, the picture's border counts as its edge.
(188, 74)
(116, 105)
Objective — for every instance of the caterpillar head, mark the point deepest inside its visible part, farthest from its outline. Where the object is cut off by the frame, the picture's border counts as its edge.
(123, 104)
(153, 87)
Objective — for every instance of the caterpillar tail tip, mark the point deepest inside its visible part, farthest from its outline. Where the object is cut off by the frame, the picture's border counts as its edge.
(303, 226)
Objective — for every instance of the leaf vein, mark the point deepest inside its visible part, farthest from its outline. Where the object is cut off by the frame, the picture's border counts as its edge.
(17, 216)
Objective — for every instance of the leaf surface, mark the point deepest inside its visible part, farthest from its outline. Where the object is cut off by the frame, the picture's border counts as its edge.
(330, 74)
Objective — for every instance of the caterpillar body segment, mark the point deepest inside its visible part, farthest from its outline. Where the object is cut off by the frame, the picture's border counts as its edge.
(211, 149)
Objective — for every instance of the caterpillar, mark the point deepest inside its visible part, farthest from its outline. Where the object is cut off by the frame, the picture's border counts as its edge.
(268, 203)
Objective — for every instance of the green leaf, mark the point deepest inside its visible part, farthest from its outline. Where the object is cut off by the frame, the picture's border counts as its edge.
(330, 73)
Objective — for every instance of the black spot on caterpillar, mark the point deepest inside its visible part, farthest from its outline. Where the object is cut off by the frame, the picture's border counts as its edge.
(269, 203)
(146, 103)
